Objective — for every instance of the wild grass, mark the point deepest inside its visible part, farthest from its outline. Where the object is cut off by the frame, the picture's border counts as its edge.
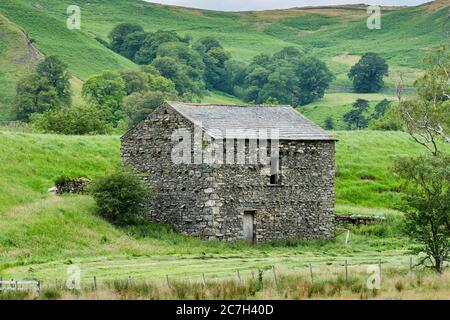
(293, 286)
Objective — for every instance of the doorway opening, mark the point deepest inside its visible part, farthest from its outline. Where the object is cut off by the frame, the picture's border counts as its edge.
(249, 226)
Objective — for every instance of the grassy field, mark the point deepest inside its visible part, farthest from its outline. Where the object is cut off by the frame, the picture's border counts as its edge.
(338, 35)
(330, 284)
(42, 234)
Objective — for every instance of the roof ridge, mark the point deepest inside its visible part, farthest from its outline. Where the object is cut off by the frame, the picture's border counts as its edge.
(232, 105)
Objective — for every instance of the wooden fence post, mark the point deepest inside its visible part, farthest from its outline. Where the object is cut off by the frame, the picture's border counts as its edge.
(410, 264)
(346, 270)
(167, 280)
(275, 275)
(94, 285)
(239, 277)
(130, 281)
(379, 268)
(311, 272)
(203, 279)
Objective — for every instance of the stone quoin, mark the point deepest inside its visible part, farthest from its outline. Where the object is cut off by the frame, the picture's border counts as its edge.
(292, 196)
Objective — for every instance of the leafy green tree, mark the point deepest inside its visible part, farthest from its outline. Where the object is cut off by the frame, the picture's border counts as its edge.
(140, 104)
(329, 123)
(314, 77)
(426, 188)
(178, 73)
(161, 84)
(132, 44)
(134, 81)
(426, 116)
(381, 108)
(34, 94)
(107, 91)
(214, 58)
(55, 71)
(287, 76)
(121, 198)
(355, 118)
(148, 51)
(367, 74)
(118, 35)
(79, 120)
(234, 77)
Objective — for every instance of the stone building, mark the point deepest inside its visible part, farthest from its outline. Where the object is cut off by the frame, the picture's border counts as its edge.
(235, 172)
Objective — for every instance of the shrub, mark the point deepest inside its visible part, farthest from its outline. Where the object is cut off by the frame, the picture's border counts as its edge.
(73, 120)
(120, 197)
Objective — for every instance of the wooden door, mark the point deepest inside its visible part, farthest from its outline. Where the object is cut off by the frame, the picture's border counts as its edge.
(249, 221)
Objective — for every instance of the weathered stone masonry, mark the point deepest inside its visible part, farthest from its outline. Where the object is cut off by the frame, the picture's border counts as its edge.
(209, 201)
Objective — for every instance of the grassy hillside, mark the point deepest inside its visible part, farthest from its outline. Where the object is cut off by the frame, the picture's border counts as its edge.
(17, 57)
(336, 34)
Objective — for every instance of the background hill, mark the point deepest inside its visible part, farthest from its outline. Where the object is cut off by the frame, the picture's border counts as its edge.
(338, 35)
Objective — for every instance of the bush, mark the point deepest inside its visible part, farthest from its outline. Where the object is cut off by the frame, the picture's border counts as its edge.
(121, 197)
(73, 120)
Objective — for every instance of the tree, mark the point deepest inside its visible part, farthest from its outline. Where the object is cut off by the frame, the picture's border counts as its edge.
(118, 35)
(427, 116)
(177, 72)
(148, 50)
(214, 58)
(314, 78)
(134, 81)
(34, 94)
(426, 188)
(380, 109)
(355, 117)
(287, 76)
(107, 91)
(132, 44)
(55, 71)
(140, 104)
(329, 123)
(367, 74)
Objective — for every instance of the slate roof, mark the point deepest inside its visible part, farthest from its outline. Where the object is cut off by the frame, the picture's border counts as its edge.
(216, 120)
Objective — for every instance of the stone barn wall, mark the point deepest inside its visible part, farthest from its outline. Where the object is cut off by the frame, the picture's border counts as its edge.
(181, 191)
(209, 200)
(301, 206)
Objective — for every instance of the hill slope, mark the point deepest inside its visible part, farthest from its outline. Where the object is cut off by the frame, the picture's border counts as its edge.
(336, 34)
(17, 57)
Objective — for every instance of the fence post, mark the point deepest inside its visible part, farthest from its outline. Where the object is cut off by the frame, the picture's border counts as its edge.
(167, 280)
(346, 270)
(203, 279)
(410, 264)
(275, 275)
(311, 272)
(379, 268)
(38, 288)
(130, 281)
(239, 277)
(94, 283)
(1, 279)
